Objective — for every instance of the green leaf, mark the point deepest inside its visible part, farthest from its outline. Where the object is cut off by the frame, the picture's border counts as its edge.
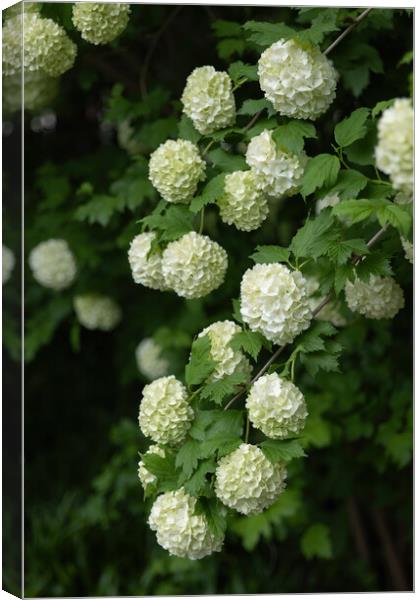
(407, 59)
(312, 240)
(316, 542)
(187, 457)
(42, 324)
(265, 34)
(198, 481)
(215, 513)
(312, 340)
(227, 386)
(211, 192)
(385, 211)
(341, 275)
(322, 170)
(229, 46)
(252, 107)
(222, 28)
(322, 361)
(163, 467)
(187, 131)
(291, 136)
(201, 364)
(211, 423)
(341, 251)
(240, 70)
(282, 450)
(100, 209)
(249, 341)
(361, 151)
(323, 23)
(352, 128)
(381, 106)
(236, 310)
(227, 162)
(374, 264)
(270, 254)
(349, 184)
(354, 210)
(172, 224)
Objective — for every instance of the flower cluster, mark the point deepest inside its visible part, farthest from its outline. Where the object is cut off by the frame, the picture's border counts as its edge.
(149, 359)
(380, 298)
(394, 151)
(40, 91)
(175, 169)
(277, 171)
(274, 302)
(126, 140)
(247, 481)
(298, 79)
(52, 264)
(194, 265)
(145, 476)
(227, 360)
(8, 263)
(276, 406)
(208, 100)
(408, 249)
(94, 311)
(243, 203)
(165, 414)
(179, 529)
(47, 48)
(100, 23)
(146, 269)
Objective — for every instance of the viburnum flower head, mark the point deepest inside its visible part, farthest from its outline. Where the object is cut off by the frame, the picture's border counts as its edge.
(47, 47)
(8, 263)
(380, 298)
(165, 414)
(394, 150)
(247, 481)
(297, 78)
(179, 529)
(95, 311)
(100, 23)
(40, 91)
(53, 264)
(149, 359)
(274, 302)
(277, 171)
(227, 360)
(175, 169)
(194, 265)
(146, 268)
(276, 407)
(208, 100)
(126, 139)
(145, 476)
(243, 203)
(408, 249)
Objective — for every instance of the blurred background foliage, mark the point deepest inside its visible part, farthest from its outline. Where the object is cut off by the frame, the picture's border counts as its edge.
(344, 523)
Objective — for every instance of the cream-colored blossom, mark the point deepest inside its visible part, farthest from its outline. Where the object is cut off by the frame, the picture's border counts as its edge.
(380, 298)
(100, 22)
(145, 476)
(53, 264)
(297, 78)
(40, 91)
(146, 267)
(8, 263)
(149, 359)
(243, 203)
(408, 249)
(247, 481)
(175, 169)
(95, 311)
(165, 413)
(208, 100)
(274, 302)
(194, 265)
(180, 529)
(227, 360)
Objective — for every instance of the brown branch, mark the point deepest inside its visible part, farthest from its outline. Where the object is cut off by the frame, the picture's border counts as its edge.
(396, 570)
(349, 29)
(357, 529)
(152, 48)
(356, 260)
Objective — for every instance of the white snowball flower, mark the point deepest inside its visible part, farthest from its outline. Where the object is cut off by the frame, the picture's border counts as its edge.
(126, 141)
(298, 79)
(21, 7)
(100, 23)
(276, 407)
(408, 249)
(243, 203)
(227, 360)
(277, 172)
(149, 359)
(40, 91)
(53, 264)
(165, 414)
(194, 265)
(326, 202)
(208, 100)
(175, 169)
(394, 150)
(97, 312)
(8, 263)
(274, 302)
(381, 298)
(47, 48)
(247, 481)
(146, 269)
(403, 198)
(145, 476)
(179, 529)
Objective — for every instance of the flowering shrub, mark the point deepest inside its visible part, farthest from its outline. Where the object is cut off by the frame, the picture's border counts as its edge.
(238, 219)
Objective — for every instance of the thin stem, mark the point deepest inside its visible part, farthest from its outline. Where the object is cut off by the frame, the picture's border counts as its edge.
(200, 231)
(356, 260)
(253, 120)
(247, 430)
(349, 29)
(207, 148)
(152, 48)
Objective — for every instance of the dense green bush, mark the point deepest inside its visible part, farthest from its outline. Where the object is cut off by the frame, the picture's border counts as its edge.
(344, 521)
